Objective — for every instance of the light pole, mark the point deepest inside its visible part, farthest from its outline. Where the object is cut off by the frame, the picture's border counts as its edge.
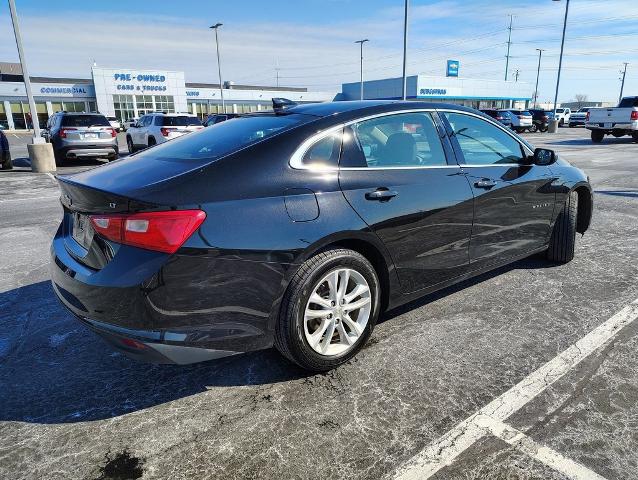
(538, 72)
(361, 42)
(405, 49)
(622, 85)
(219, 67)
(25, 74)
(553, 128)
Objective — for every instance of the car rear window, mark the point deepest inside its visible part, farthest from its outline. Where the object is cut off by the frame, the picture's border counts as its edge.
(85, 121)
(178, 121)
(222, 138)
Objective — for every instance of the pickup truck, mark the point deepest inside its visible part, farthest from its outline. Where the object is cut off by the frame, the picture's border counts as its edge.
(562, 115)
(619, 121)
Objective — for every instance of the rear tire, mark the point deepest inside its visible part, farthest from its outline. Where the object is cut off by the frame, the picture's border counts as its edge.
(129, 144)
(291, 333)
(597, 136)
(151, 142)
(561, 123)
(563, 240)
(634, 136)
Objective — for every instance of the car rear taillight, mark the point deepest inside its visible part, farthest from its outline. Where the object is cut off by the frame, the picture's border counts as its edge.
(64, 130)
(112, 132)
(165, 131)
(634, 115)
(587, 117)
(159, 231)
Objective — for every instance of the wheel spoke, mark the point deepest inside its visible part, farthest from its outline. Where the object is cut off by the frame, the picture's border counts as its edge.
(356, 292)
(319, 300)
(333, 281)
(362, 302)
(354, 326)
(344, 276)
(343, 335)
(316, 313)
(315, 337)
(325, 343)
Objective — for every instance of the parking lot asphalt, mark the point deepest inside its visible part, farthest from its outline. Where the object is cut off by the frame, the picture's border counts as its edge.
(72, 408)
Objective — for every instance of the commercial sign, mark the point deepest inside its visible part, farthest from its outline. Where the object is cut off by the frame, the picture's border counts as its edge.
(63, 90)
(452, 68)
(433, 91)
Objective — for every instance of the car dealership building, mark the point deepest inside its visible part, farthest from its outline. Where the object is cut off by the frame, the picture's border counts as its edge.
(471, 92)
(127, 93)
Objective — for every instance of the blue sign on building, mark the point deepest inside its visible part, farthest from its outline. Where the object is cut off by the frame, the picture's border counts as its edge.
(452, 68)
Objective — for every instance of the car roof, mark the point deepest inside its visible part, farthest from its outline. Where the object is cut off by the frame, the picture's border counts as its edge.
(372, 106)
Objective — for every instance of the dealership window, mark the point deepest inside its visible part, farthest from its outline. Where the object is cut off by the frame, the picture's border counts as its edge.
(43, 115)
(123, 105)
(56, 107)
(73, 106)
(144, 104)
(165, 103)
(4, 122)
(21, 115)
(201, 109)
(92, 106)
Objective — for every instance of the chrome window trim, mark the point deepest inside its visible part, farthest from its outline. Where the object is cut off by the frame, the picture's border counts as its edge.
(297, 157)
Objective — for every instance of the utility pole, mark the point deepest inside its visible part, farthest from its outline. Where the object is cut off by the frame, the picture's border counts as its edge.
(219, 67)
(509, 43)
(622, 85)
(277, 75)
(25, 73)
(560, 63)
(516, 75)
(538, 72)
(361, 42)
(405, 49)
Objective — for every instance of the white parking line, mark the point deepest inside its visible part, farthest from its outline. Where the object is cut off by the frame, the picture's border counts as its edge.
(569, 468)
(448, 447)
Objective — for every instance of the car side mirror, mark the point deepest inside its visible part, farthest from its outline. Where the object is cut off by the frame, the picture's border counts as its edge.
(544, 156)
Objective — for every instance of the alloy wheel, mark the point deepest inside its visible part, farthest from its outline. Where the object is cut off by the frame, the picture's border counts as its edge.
(337, 312)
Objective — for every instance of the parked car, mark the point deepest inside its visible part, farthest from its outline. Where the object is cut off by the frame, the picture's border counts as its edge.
(577, 119)
(218, 117)
(562, 115)
(5, 154)
(115, 123)
(80, 135)
(279, 229)
(130, 122)
(499, 116)
(619, 121)
(155, 128)
(521, 119)
(540, 120)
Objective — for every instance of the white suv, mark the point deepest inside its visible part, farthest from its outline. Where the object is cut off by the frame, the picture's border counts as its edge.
(155, 128)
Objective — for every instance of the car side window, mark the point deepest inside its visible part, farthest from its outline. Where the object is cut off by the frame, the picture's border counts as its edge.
(401, 140)
(158, 121)
(324, 152)
(483, 143)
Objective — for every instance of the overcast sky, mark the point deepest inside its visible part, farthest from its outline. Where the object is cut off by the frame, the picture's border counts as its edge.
(312, 41)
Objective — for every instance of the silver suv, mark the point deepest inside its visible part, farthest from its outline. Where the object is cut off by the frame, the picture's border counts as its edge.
(79, 135)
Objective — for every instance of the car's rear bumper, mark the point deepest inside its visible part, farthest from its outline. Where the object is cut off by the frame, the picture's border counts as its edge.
(78, 151)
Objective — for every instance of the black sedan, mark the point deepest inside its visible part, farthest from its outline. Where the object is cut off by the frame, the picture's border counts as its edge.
(298, 227)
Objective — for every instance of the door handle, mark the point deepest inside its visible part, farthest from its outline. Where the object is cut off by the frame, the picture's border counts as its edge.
(381, 193)
(485, 183)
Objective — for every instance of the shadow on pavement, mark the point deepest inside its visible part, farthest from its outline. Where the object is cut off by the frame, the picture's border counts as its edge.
(619, 193)
(587, 141)
(55, 370)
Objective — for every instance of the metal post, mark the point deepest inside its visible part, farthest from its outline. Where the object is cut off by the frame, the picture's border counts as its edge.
(509, 42)
(25, 73)
(361, 42)
(405, 50)
(219, 67)
(560, 61)
(622, 85)
(538, 72)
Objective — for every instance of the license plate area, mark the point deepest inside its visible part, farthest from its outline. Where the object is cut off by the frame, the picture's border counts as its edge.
(82, 231)
(608, 125)
(90, 136)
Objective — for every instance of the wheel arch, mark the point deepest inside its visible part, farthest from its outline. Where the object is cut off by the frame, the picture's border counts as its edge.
(585, 207)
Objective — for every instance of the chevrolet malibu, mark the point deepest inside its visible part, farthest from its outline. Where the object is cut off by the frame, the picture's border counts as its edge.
(298, 227)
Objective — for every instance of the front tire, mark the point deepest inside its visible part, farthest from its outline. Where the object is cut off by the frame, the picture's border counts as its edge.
(343, 289)
(129, 145)
(563, 240)
(597, 136)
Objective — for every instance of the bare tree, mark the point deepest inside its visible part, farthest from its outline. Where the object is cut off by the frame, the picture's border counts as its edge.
(581, 98)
